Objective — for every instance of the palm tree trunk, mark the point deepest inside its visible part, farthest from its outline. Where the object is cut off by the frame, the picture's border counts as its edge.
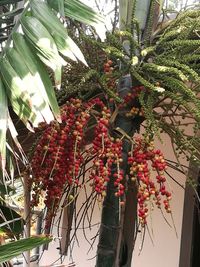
(116, 242)
(110, 222)
(109, 229)
(128, 227)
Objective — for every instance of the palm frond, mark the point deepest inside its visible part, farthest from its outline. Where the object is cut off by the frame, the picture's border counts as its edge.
(24, 76)
(11, 250)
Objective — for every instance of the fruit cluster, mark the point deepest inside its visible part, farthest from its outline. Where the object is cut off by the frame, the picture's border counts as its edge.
(135, 91)
(131, 102)
(57, 157)
(108, 70)
(60, 154)
(135, 111)
(107, 67)
(143, 159)
(108, 152)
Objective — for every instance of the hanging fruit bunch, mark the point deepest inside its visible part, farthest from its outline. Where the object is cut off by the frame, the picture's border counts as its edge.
(60, 157)
(60, 154)
(145, 162)
(131, 102)
(110, 75)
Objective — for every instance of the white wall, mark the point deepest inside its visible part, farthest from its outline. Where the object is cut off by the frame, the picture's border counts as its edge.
(165, 249)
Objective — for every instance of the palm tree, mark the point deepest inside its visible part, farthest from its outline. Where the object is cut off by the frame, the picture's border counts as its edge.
(147, 59)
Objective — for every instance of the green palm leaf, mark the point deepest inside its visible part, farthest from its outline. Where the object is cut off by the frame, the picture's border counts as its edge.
(39, 37)
(24, 77)
(61, 7)
(10, 221)
(17, 93)
(38, 71)
(6, 2)
(3, 124)
(9, 14)
(77, 10)
(11, 250)
(65, 45)
(40, 106)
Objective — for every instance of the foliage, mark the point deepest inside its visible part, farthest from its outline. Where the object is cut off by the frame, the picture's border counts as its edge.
(13, 249)
(24, 77)
(11, 223)
(168, 68)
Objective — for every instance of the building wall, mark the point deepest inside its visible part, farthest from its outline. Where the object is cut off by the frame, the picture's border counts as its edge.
(163, 247)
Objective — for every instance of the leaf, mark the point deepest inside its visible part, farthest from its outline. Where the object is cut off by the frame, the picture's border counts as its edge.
(64, 43)
(13, 249)
(81, 12)
(39, 37)
(17, 93)
(3, 124)
(76, 50)
(14, 134)
(5, 16)
(11, 161)
(61, 7)
(10, 221)
(37, 69)
(5, 190)
(6, 2)
(39, 103)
